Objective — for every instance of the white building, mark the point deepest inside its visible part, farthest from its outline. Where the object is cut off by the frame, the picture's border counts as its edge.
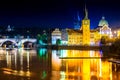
(104, 28)
(56, 34)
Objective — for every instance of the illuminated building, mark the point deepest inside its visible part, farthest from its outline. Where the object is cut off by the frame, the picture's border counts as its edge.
(103, 28)
(94, 37)
(83, 36)
(9, 28)
(103, 22)
(86, 29)
(56, 34)
(116, 33)
(74, 37)
(64, 36)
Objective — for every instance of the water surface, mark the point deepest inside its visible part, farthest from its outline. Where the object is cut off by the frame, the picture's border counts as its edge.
(47, 64)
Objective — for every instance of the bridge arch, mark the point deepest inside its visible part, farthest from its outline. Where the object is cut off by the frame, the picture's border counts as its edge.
(26, 40)
(8, 40)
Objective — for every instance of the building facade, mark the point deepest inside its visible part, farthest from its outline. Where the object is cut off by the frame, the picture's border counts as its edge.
(103, 28)
(56, 34)
(84, 35)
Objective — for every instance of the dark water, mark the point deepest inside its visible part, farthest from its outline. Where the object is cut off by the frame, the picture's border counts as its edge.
(44, 64)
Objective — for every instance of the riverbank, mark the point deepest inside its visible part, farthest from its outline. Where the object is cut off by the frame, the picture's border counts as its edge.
(74, 47)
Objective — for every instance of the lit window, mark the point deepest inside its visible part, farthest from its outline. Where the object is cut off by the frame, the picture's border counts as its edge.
(102, 32)
(107, 32)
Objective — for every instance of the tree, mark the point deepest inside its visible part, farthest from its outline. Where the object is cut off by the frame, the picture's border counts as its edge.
(38, 39)
(104, 40)
(44, 38)
(115, 47)
(58, 42)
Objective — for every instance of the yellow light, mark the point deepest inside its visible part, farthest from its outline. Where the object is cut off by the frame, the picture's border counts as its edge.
(21, 73)
(15, 72)
(6, 72)
(115, 32)
(28, 73)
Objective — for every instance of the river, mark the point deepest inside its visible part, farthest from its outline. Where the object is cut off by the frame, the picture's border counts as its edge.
(47, 64)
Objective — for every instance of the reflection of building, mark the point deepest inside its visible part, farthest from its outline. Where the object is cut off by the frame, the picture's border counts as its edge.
(81, 65)
(17, 62)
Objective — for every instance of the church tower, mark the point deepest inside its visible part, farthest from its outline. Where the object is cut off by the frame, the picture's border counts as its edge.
(86, 29)
(77, 22)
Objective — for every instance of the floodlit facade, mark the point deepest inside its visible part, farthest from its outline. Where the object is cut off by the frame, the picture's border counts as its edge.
(56, 34)
(86, 29)
(83, 35)
(115, 33)
(103, 28)
(64, 36)
(74, 37)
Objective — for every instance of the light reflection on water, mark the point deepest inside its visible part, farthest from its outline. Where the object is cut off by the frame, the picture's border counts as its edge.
(78, 65)
(43, 64)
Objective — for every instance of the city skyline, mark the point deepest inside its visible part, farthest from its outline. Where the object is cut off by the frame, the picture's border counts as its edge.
(59, 13)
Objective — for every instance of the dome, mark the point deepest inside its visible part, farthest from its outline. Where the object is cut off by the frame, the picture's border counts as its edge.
(103, 22)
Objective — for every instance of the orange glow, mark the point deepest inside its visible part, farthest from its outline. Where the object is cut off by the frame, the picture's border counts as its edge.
(85, 68)
(7, 72)
(28, 73)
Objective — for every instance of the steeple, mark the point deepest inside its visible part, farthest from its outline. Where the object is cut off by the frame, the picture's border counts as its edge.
(78, 17)
(77, 21)
(86, 29)
(86, 13)
(103, 17)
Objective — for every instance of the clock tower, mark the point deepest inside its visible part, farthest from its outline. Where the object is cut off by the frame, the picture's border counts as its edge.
(86, 29)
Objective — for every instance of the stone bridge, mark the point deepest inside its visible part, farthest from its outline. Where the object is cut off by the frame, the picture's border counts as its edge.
(17, 42)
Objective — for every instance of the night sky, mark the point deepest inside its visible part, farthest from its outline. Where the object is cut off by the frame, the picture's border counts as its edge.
(57, 13)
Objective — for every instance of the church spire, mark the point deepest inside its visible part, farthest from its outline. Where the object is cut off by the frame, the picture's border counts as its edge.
(103, 17)
(86, 13)
(78, 17)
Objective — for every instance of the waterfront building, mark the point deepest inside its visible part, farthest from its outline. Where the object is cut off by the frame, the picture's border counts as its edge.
(86, 29)
(74, 37)
(64, 36)
(103, 28)
(83, 36)
(115, 32)
(56, 34)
